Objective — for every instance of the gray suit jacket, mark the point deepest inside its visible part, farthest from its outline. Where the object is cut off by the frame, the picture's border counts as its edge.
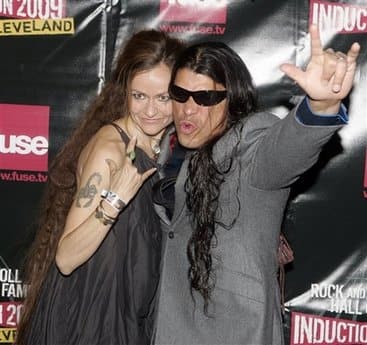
(245, 306)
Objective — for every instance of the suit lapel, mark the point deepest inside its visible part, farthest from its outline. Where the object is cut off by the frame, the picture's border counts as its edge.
(165, 150)
(180, 195)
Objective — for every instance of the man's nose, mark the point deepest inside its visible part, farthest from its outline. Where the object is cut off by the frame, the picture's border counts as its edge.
(190, 107)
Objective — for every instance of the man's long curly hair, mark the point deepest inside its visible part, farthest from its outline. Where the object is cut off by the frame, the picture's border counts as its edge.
(224, 66)
(145, 50)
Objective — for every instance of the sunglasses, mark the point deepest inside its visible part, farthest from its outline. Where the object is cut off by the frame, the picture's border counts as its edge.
(205, 98)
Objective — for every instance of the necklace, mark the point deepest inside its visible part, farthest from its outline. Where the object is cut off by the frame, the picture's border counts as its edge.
(155, 148)
(154, 145)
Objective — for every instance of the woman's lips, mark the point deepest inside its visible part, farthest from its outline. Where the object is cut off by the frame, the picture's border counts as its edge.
(152, 121)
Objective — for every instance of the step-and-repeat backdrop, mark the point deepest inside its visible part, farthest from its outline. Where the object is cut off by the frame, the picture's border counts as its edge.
(56, 54)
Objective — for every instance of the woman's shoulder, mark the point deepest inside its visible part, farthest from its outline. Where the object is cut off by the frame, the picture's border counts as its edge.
(108, 137)
(106, 143)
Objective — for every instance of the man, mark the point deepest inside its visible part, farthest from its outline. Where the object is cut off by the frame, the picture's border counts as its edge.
(219, 273)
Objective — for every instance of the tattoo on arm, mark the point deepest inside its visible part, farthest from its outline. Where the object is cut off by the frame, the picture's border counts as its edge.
(87, 193)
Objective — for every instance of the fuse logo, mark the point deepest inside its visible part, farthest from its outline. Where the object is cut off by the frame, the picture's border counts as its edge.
(23, 144)
(24, 137)
(194, 11)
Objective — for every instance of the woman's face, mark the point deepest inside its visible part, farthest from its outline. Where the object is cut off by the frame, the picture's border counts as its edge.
(197, 124)
(149, 102)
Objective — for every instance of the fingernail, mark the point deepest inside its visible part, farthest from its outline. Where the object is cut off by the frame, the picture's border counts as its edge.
(336, 88)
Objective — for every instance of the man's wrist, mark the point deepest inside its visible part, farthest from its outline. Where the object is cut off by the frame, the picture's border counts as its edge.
(324, 107)
(306, 116)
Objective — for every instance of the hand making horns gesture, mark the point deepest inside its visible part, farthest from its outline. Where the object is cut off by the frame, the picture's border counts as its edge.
(126, 180)
(329, 75)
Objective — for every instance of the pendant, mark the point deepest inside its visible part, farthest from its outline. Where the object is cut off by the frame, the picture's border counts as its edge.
(156, 148)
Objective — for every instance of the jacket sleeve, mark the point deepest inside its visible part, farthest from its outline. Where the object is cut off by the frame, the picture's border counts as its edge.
(282, 149)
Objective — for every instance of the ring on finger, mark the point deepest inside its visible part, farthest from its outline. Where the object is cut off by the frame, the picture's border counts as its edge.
(340, 57)
(131, 155)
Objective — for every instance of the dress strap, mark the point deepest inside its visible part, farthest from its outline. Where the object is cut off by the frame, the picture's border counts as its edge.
(123, 135)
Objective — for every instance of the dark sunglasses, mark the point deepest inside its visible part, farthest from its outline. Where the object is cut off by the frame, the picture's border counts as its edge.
(205, 98)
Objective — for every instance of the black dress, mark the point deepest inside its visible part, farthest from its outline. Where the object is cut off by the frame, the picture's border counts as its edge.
(110, 299)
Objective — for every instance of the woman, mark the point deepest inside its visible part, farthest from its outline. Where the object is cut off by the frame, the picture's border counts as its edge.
(94, 265)
(219, 278)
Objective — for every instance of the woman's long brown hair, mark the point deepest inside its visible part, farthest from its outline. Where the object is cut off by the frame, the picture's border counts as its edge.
(143, 51)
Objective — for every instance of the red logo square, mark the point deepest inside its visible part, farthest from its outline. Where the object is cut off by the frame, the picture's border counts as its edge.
(24, 137)
(194, 11)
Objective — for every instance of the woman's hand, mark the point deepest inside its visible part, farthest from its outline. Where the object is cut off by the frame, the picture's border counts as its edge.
(125, 180)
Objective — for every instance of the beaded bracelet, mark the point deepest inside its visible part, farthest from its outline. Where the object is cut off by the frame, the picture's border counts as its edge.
(102, 216)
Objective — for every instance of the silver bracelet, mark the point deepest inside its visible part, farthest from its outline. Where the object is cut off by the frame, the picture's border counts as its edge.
(113, 199)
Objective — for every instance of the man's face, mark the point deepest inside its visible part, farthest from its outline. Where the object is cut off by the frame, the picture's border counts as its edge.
(197, 124)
